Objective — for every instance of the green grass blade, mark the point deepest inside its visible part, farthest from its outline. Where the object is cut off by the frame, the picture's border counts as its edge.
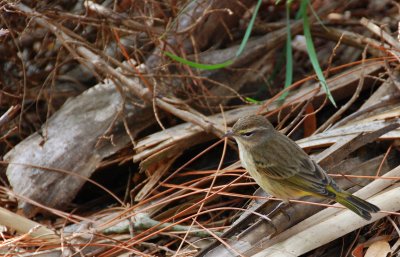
(248, 30)
(197, 65)
(289, 53)
(252, 100)
(312, 53)
(243, 44)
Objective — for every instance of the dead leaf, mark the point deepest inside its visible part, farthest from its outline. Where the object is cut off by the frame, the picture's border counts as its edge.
(378, 249)
(358, 251)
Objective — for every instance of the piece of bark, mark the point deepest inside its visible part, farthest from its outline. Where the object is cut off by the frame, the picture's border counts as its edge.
(22, 225)
(68, 142)
(383, 99)
(386, 91)
(351, 131)
(342, 149)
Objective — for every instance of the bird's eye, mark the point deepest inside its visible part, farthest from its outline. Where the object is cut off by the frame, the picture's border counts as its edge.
(248, 134)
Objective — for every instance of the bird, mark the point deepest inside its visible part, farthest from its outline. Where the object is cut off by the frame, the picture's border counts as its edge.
(282, 169)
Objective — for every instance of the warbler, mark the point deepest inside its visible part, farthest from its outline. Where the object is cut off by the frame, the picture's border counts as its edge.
(284, 170)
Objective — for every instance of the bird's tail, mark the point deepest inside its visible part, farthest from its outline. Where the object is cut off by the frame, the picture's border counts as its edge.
(357, 205)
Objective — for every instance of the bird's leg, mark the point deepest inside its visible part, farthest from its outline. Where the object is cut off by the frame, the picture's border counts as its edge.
(279, 208)
(267, 218)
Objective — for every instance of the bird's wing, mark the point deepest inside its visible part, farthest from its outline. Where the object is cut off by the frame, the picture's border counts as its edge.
(292, 166)
(314, 180)
(281, 158)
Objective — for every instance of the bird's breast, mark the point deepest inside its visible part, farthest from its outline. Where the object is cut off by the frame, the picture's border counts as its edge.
(248, 162)
(272, 186)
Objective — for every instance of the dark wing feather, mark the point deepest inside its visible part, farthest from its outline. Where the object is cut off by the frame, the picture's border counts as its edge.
(284, 160)
(281, 158)
(314, 181)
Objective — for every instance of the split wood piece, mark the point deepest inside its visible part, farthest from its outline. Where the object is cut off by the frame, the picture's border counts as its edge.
(349, 38)
(384, 93)
(351, 131)
(342, 149)
(26, 226)
(383, 99)
(9, 115)
(382, 34)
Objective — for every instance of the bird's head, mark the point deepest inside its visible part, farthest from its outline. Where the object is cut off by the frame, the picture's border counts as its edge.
(251, 130)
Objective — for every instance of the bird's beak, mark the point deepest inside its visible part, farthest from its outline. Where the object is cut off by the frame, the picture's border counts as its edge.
(228, 134)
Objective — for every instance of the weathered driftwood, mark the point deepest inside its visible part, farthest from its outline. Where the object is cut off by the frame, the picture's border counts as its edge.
(74, 140)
